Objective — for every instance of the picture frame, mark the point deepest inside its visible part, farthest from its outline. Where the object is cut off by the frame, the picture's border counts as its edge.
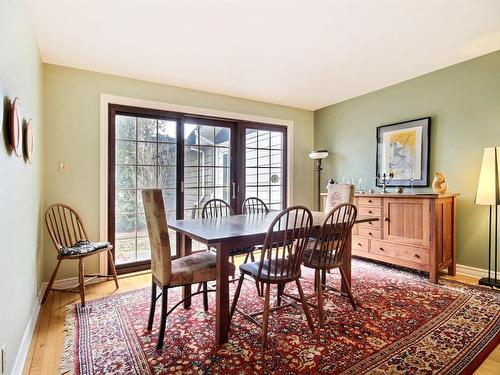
(403, 149)
(29, 141)
(15, 127)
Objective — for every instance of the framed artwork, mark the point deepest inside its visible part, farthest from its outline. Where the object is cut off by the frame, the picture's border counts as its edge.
(15, 127)
(403, 150)
(29, 142)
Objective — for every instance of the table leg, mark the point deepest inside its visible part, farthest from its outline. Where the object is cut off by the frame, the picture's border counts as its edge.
(222, 295)
(347, 261)
(185, 249)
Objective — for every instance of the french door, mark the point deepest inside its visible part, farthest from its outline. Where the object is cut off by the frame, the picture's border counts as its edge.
(192, 160)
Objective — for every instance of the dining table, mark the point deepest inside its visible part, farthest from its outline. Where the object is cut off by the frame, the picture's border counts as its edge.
(235, 232)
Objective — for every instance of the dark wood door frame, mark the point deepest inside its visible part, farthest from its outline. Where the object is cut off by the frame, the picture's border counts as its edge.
(237, 162)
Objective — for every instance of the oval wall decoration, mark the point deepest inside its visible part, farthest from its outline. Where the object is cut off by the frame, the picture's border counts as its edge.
(29, 142)
(15, 128)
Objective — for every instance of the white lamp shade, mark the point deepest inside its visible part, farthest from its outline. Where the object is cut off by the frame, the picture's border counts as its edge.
(320, 154)
(488, 187)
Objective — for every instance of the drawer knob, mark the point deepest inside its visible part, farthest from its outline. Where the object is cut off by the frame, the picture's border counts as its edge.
(370, 233)
(417, 256)
(386, 218)
(359, 244)
(370, 212)
(381, 248)
(369, 201)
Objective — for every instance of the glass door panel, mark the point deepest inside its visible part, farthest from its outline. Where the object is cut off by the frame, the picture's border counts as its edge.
(207, 167)
(265, 156)
(145, 152)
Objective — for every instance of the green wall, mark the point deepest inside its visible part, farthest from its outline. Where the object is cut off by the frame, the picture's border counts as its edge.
(20, 183)
(464, 103)
(72, 113)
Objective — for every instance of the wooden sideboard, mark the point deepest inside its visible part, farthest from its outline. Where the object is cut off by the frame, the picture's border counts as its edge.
(414, 230)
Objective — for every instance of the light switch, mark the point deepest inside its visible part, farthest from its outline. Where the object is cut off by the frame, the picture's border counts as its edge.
(63, 167)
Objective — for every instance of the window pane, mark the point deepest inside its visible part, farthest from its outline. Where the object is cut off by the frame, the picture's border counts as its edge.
(251, 158)
(206, 135)
(276, 194)
(167, 131)
(147, 153)
(276, 158)
(264, 139)
(222, 193)
(125, 250)
(263, 176)
(205, 195)
(167, 177)
(190, 177)
(125, 201)
(263, 193)
(142, 229)
(146, 177)
(251, 138)
(169, 199)
(277, 140)
(206, 176)
(125, 127)
(222, 137)
(263, 159)
(191, 134)
(251, 191)
(191, 155)
(125, 177)
(125, 226)
(251, 176)
(222, 157)
(222, 177)
(206, 155)
(143, 248)
(276, 176)
(167, 153)
(147, 129)
(125, 152)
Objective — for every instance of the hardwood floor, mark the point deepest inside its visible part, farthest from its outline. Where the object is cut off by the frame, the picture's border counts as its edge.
(46, 347)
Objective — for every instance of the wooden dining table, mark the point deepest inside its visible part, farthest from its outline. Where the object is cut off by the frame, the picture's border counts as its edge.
(235, 232)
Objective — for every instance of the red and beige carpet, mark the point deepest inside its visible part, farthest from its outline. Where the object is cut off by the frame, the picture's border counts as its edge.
(404, 324)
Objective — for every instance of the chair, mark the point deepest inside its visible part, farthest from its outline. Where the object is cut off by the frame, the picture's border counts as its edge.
(279, 263)
(168, 273)
(253, 205)
(220, 208)
(327, 250)
(338, 194)
(70, 238)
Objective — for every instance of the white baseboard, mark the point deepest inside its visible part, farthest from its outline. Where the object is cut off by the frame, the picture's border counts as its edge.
(22, 353)
(474, 272)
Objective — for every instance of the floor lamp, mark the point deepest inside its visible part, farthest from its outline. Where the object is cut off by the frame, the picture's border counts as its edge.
(318, 156)
(488, 194)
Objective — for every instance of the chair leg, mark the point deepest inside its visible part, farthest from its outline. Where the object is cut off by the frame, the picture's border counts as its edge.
(246, 258)
(252, 257)
(152, 306)
(304, 305)
(319, 290)
(205, 296)
(236, 296)
(257, 286)
(81, 278)
(51, 282)
(265, 318)
(281, 288)
(347, 288)
(163, 319)
(113, 268)
(323, 279)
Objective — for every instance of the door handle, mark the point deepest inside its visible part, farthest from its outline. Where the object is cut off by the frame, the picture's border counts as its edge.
(234, 190)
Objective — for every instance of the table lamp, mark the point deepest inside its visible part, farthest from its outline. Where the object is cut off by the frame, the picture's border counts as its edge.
(488, 194)
(318, 156)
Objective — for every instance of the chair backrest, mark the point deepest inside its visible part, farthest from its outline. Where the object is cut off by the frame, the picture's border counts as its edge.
(156, 220)
(338, 194)
(65, 226)
(254, 205)
(332, 239)
(216, 208)
(285, 243)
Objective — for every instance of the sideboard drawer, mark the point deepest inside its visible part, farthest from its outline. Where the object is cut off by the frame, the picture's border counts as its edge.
(369, 211)
(372, 224)
(394, 250)
(360, 243)
(369, 201)
(370, 233)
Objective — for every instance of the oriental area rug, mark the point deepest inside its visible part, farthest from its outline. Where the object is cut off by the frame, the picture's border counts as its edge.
(403, 325)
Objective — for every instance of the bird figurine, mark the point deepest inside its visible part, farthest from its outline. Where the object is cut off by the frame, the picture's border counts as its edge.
(439, 184)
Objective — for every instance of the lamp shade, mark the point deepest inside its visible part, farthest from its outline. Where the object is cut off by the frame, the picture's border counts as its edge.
(488, 187)
(320, 154)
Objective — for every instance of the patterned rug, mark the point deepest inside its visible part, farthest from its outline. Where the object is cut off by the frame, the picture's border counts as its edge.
(404, 324)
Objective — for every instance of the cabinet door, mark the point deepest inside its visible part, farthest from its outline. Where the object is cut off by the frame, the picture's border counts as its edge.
(407, 221)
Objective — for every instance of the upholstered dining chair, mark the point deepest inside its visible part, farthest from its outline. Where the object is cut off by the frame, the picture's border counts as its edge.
(167, 273)
(279, 264)
(338, 194)
(326, 251)
(65, 227)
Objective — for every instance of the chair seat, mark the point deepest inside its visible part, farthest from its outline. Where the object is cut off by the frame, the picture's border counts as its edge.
(252, 269)
(83, 247)
(195, 268)
(315, 261)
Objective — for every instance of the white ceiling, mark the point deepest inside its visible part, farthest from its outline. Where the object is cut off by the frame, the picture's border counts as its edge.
(301, 53)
